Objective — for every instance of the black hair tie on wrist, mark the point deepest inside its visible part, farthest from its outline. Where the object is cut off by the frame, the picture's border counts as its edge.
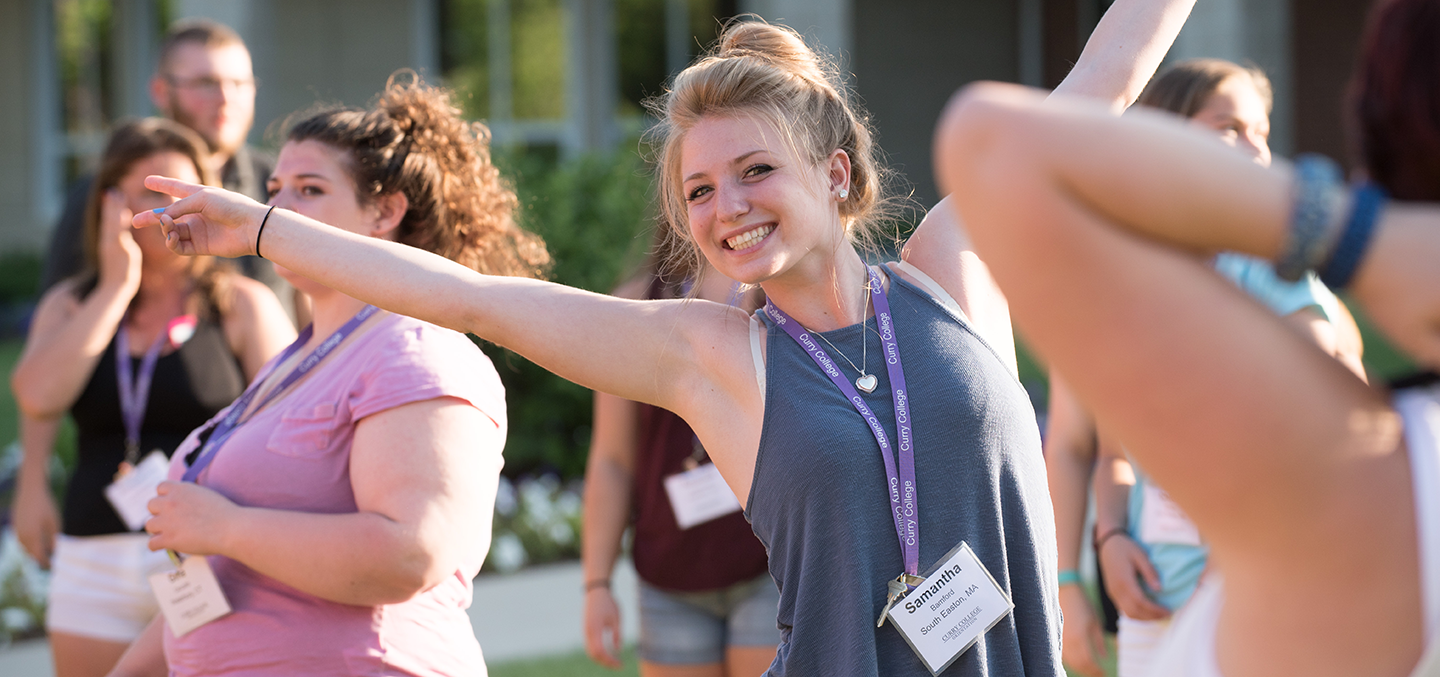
(262, 230)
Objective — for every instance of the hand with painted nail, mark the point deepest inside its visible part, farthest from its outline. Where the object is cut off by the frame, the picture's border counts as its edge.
(119, 255)
(205, 220)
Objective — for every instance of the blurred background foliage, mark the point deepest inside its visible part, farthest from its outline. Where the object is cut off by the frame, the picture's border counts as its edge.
(595, 215)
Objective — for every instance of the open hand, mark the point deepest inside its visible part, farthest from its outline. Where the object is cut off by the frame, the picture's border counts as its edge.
(205, 221)
(189, 518)
(1083, 642)
(602, 628)
(36, 520)
(119, 255)
(1124, 563)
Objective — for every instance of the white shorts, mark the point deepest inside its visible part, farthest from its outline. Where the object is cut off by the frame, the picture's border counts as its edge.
(99, 586)
(1137, 645)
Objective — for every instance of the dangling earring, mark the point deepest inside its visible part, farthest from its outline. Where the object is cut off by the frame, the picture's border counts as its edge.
(844, 192)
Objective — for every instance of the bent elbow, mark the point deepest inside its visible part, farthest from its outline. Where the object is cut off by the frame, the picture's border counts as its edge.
(980, 117)
(32, 399)
(411, 578)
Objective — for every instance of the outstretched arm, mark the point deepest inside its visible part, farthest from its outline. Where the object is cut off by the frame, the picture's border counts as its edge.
(640, 350)
(1125, 49)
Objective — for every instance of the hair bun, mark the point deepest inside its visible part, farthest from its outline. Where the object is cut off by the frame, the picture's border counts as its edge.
(779, 45)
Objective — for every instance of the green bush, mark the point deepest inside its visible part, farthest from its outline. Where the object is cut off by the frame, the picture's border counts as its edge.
(19, 277)
(595, 215)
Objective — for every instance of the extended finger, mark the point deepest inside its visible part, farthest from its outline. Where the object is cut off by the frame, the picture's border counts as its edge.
(172, 187)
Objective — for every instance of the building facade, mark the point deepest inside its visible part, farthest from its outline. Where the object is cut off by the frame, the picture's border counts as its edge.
(562, 73)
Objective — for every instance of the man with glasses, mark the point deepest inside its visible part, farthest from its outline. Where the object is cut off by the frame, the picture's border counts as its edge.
(204, 81)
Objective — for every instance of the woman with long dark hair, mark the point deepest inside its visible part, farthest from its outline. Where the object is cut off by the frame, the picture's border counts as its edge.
(140, 348)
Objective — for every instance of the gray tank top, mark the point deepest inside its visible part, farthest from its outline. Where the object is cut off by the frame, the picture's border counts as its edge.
(819, 504)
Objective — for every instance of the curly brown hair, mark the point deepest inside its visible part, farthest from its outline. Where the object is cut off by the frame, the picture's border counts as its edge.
(414, 141)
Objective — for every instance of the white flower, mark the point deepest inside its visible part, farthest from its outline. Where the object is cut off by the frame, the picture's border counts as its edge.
(561, 533)
(15, 619)
(507, 553)
(535, 500)
(568, 503)
(505, 499)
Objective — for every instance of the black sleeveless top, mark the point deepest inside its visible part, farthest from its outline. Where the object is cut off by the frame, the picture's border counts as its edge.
(190, 386)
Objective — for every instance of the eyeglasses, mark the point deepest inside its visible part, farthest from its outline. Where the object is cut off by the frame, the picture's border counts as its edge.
(213, 86)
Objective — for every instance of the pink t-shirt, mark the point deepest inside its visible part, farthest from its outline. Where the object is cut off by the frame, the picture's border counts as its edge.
(295, 455)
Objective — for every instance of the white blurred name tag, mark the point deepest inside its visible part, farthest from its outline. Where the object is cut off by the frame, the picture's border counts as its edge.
(1162, 521)
(131, 494)
(189, 596)
(700, 495)
(948, 613)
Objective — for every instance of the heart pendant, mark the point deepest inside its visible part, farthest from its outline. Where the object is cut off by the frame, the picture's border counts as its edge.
(866, 383)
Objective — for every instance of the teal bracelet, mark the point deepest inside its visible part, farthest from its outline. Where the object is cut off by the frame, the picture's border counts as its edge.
(1069, 577)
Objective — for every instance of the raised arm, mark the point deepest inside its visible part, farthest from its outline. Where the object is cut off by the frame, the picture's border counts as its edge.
(68, 335)
(640, 350)
(1098, 228)
(1125, 49)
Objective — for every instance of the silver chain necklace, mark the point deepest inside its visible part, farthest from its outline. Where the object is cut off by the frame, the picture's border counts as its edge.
(865, 382)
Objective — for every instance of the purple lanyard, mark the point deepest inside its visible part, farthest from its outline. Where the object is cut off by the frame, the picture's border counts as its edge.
(135, 388)
(901, 483)
(221, 431)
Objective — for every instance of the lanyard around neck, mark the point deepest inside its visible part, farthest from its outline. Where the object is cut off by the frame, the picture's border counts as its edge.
(900, 480)
(135, 386)
(221, 430)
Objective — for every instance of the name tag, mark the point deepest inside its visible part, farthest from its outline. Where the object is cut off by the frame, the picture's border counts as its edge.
(945, 615)
(131, 494)
(1162, 521)
(189, 596)
(700, 495)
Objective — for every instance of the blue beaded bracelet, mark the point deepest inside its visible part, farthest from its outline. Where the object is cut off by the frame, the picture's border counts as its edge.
(1068, 577)
(1369, 202)
(1317, 185)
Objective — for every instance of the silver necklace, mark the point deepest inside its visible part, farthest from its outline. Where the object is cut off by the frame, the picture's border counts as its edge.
(865, 382)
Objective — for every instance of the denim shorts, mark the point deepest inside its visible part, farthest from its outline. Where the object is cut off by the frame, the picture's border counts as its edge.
(694, 628)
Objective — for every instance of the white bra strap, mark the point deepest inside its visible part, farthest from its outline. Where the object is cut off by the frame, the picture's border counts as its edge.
(757, 331)
(933, 287)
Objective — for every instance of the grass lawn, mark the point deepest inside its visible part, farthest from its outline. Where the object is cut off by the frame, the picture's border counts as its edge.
(580, 665)
(570, 665)
(9, 353)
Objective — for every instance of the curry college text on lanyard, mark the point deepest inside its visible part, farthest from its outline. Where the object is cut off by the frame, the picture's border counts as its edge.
(946, 611)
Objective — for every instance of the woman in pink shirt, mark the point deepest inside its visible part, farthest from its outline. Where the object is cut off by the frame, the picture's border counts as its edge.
(346, 515)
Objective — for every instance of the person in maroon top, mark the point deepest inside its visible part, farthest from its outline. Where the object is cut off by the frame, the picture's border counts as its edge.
(707, 602)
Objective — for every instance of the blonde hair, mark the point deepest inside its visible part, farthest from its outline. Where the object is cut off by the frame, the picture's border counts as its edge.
(756, 68)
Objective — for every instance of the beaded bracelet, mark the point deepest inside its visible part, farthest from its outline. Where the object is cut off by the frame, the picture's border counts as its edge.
(1068, 577)
(1364, 213)
(1319, 204)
